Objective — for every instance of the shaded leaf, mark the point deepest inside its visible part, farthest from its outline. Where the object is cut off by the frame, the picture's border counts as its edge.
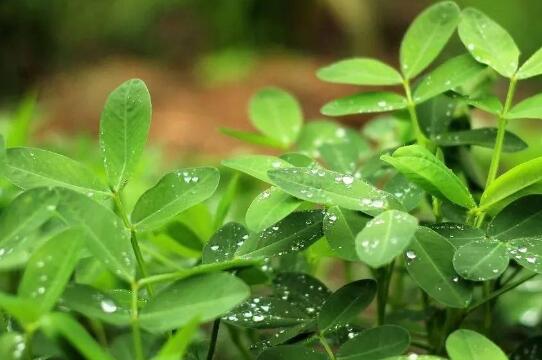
(175, 347)
(368, 102)
(298, 352)
(527, 252)
(409, 194)
(341, 227)
(484, 137)
(224, 243)
(376, 343)
(458, 234)
(435, 115)
(528, 350)
(301, 289)
(520, 219)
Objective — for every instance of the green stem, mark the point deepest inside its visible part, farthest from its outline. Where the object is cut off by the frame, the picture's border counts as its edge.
(136, 331)
(214, 338)
(384, 278)
(411, 107)
(326, 346)
(487, 307)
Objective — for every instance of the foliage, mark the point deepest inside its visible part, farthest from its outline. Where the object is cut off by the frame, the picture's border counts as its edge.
(90, 277)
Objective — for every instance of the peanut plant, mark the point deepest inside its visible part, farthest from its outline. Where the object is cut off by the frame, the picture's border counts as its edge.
(421, 240)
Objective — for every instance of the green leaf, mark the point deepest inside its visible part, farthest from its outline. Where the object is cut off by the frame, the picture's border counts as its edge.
(367, 102)
(376, 343)
(427, 36)
(488, 42)
(207, 296)
(422, 168)
(256, 165)
(21, 309)
(530, 108)
(429, 263)
(224, 243)
(19, 222)
(13, 346)
(512, 181)
(111, 307)
(174, 193)
(360, 71)
(481, 260)
(531, 67)
(316, 133)
(487, 103)
(458, 234)
(294, 233)
(252, 138)
(124, 127)
(346, 303)
(520, 219)
(63, 325)
(29, 168)
(266, 313)
(299, 159)
(287, 352)
(331, 188)
(303, 290)
(447, 76)
(484, 137)
(341, 227)
(269, 207)
(435, 115)
(105, 235)
(385, 237)
(175, 347)
(50, 268)
(276, 114)
(409, 194)
(341, 157)
(466, 344)
(527, 252)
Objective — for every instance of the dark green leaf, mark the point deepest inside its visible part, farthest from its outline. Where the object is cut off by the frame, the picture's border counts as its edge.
(175, 347)
(341, 227)
(481, 260)
(301, 289)
(376, 343)
(368, 102)
(435, 115)
(466, 344)
(409, 194)
(269, 207)
(484, 137)
(291, 352)
(520, 219)
(527, 252)
(360, 71)
(529, 350)
(224, 243)
(458, 234)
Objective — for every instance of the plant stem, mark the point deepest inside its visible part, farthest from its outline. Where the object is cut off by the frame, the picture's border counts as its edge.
(411, 107)
(214, 338)
(136, 331)
(487, 306)
(326, 346)
(384, 278)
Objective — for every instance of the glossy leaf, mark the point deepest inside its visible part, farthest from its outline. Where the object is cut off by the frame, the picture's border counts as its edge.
(224, 243)
(29, 168)
(174, 193)
(22, 309)
(427, 36)
(466, 344)
(436, 114)
(385, 237)
(12, 346)
(256, 165)
(530, 108)
(377, 343)
(360, 71)
(332, 188)
(124, 127)
(481, 260)
(301, 289)
(207, 296)
(488, 42)
(527, 252)
(424, 169)
(409, 194)
(297, 352)
(447, 76)
(531, 67)
(49, 269)
(346, 303)
(276, 114)
(294, 233)
(269, 207)
(520, 219)
(367, 102)
(484, 137)
(341, 227)
(458, 234)
(429, 262)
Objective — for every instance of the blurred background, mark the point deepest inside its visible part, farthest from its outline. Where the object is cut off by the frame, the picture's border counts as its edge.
(202, 59)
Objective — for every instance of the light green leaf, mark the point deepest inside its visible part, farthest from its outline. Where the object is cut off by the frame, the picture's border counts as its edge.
(175, 347)
(368, 102)
(21, 309)
(423, 168)
(224, 243)
(429, 263)
(385, 237)
(512, 181)
(458, 234)
(341, 227)
(13, 346)
(124, 127)
(360, 71)
(56, 325)
(276, 114)
(531, 67)
(331, 188)
(427, 36)
(174, 193)
(466, 344)
(294, 233)
(269, 207)
(316, 133)
(487, 103)
(256, 165)
(207, 296)
(29, 168)
(377, 343)
(481, 260)
(252, 138)
(447, 76)
(346, 303)
(105, 235)
(484, 137)
(50, 268)
(341, 157)
(530, 108)
(488, 42)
